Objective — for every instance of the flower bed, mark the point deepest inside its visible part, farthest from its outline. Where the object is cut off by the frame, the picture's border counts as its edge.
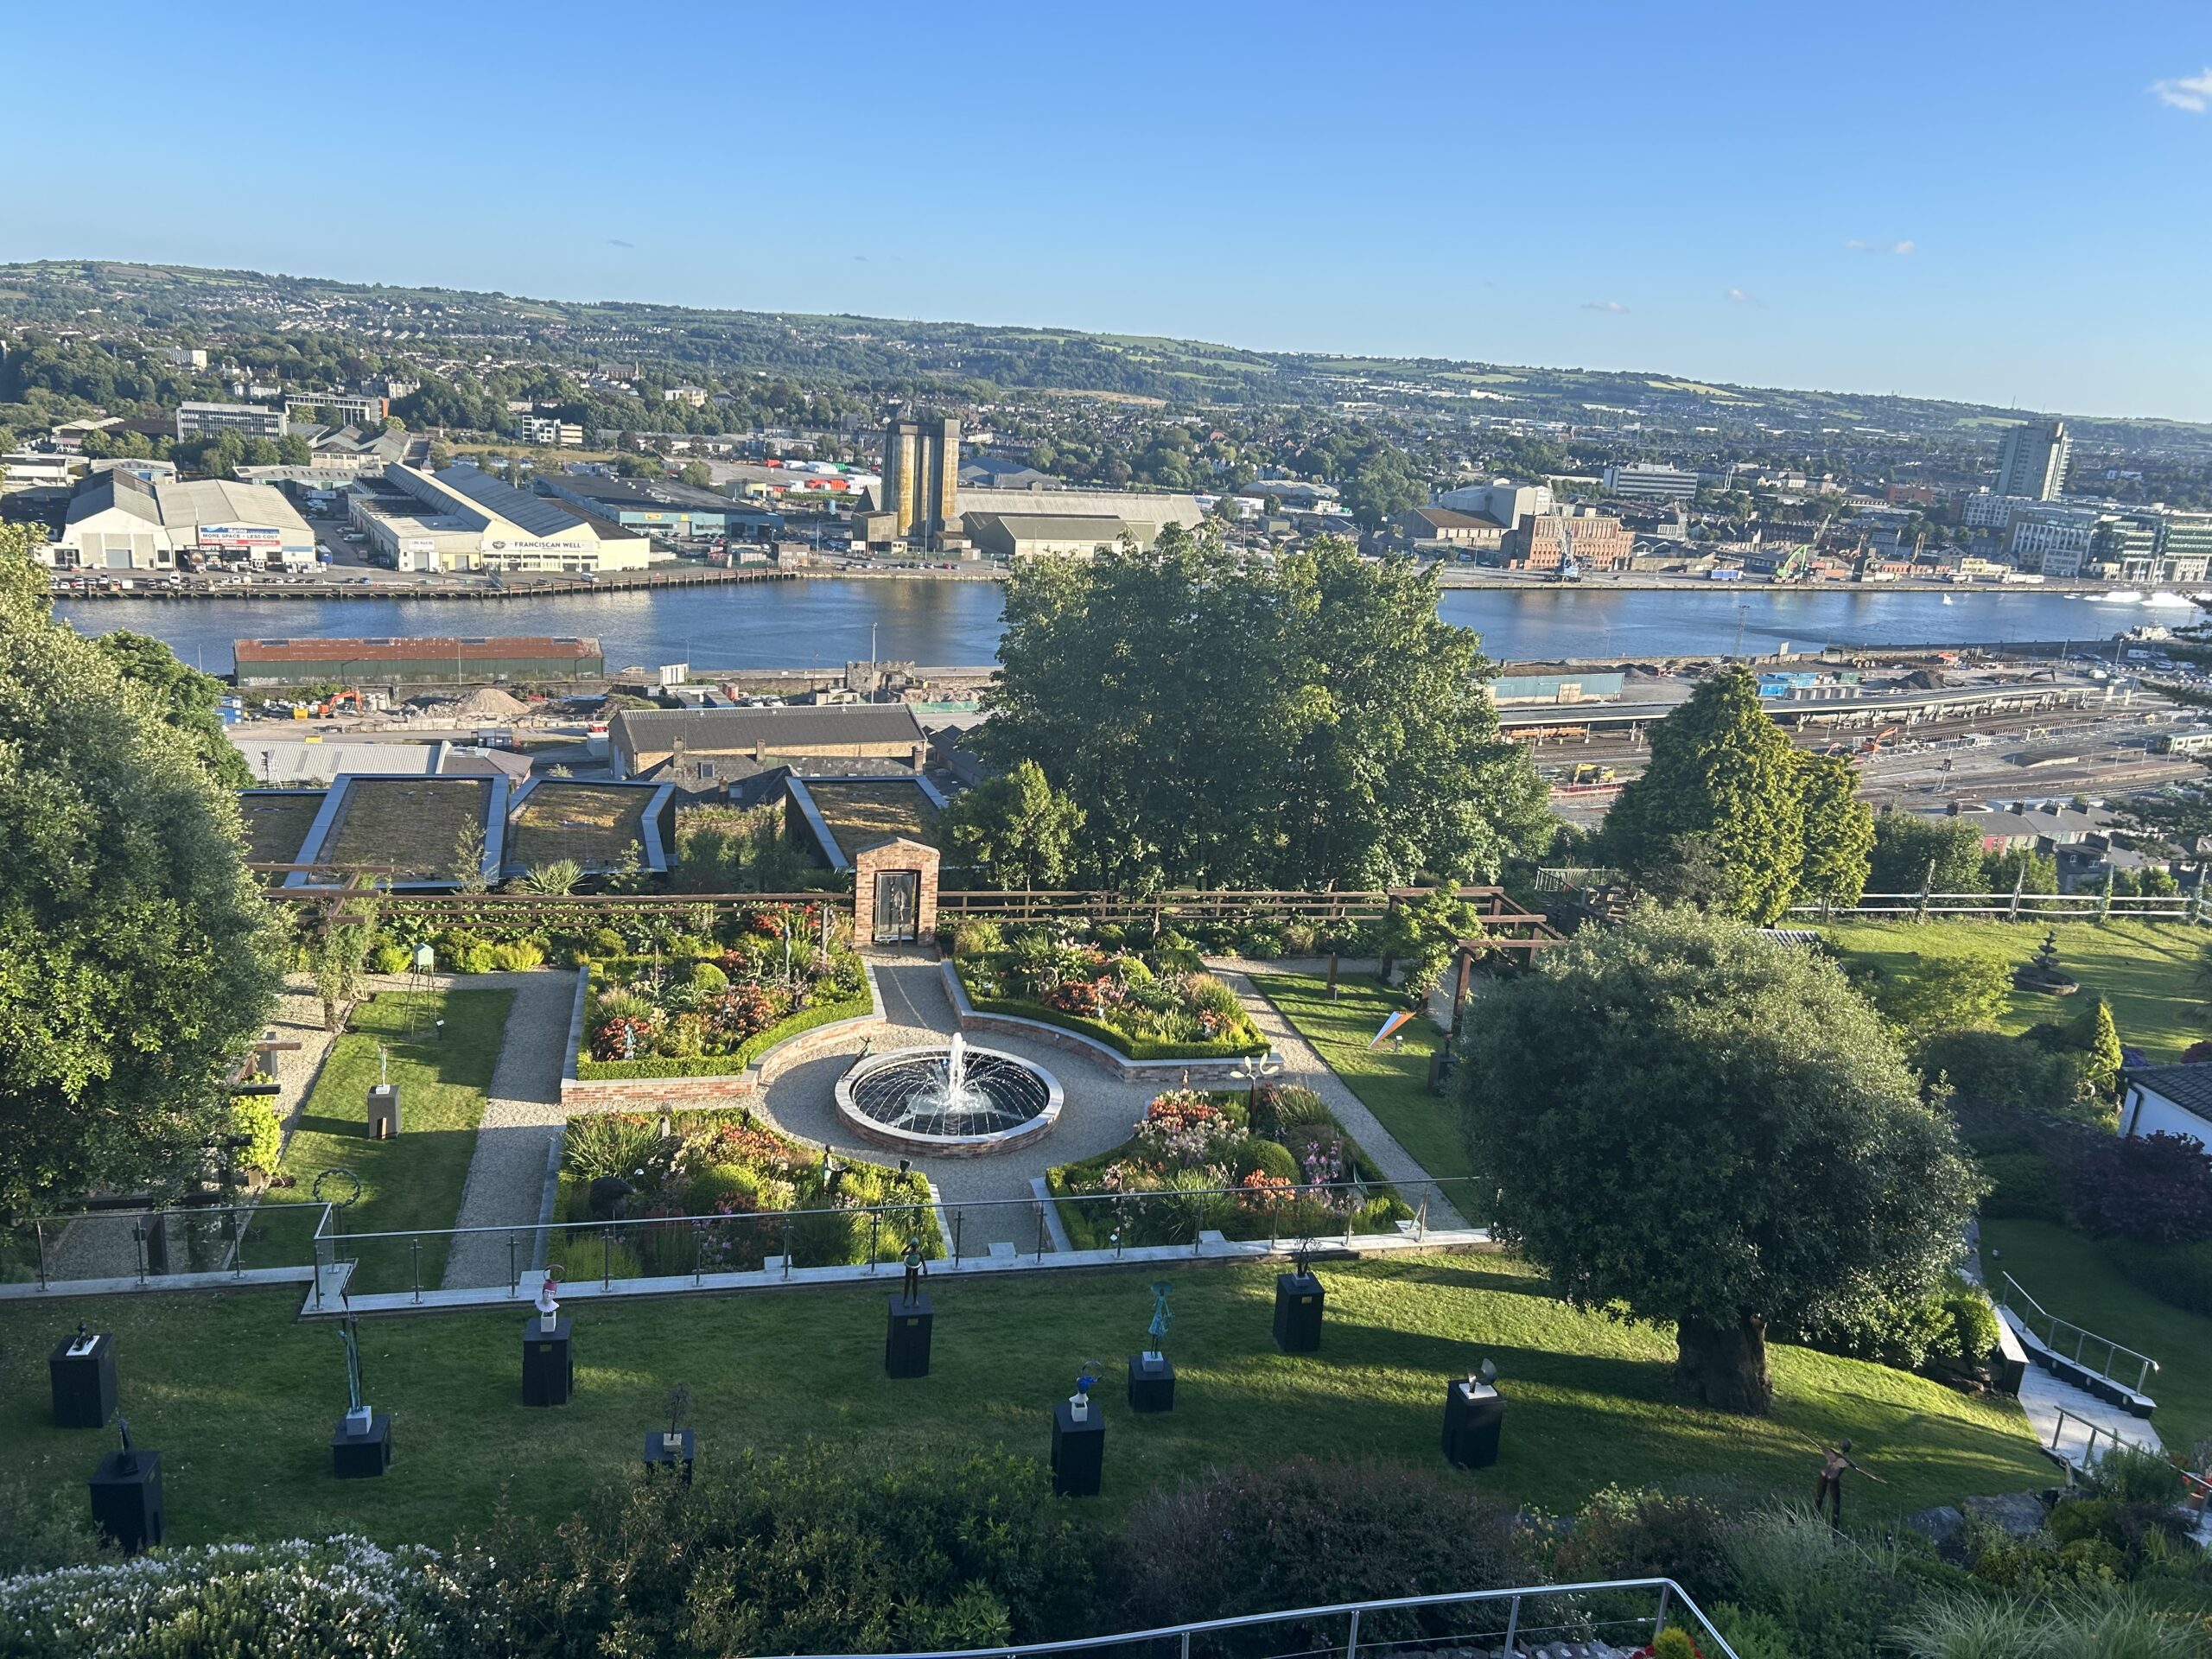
(1140, 1008)
(1198, 1162)
(714, 1013)
(719, 1191)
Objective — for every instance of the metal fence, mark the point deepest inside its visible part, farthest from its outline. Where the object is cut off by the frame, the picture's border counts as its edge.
(2089, 1350)
(2024, 906)
(1623, 1612)
(673, 1250)
(124, 1248)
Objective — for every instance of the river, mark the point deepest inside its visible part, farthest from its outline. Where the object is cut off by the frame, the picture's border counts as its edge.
(822, 623)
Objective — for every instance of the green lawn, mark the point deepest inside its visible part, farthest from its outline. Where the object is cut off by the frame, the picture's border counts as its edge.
(414, 1179)
(241, 1398)
(1391, 1084)
(2069, 1275)
(2146, 971)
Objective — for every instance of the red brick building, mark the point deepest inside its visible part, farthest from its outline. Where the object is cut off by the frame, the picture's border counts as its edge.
(1540, 543)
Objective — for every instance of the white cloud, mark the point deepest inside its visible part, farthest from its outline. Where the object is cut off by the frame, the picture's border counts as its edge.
(1857, 246)
(2191, 93)
(1613, 306)
(1743, 298)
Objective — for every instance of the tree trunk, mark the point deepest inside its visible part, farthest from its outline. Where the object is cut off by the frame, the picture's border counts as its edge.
(1725, 1366)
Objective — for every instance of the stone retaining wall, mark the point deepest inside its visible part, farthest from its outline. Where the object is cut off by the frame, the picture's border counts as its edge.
(737, 1088)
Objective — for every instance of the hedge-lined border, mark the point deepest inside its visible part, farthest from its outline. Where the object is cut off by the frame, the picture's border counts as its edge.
(1128, 1047)
(706, 1065)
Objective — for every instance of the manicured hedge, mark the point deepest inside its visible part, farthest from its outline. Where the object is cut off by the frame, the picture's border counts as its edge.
(1133, 1048)
(723, 1065)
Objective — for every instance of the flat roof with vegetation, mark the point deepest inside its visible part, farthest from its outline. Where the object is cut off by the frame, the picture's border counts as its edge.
(860, 812)
(412, 823)
(277, 822)
(601, 826)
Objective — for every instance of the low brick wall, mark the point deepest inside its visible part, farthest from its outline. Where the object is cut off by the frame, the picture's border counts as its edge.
(1164, 1073)
(737, 1088)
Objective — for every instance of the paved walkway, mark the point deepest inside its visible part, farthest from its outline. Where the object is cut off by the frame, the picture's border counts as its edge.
(506, 1176)
(1304, 1066)
(992, 1194)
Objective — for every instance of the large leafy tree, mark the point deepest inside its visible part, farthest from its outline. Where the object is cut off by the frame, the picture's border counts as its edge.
(186, 697)
(1687, 1123)
(1016, 828)
(1313, 724)
(1722, 775)
(1909, 850)
(137, 958)
(1838, 831)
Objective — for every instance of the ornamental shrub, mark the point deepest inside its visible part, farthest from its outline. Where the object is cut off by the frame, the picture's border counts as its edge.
(1309, 1532)
(977, 939)
(1267, 1157)
(2026, 1185)
(1973, 1327)
(1644, 1534)
(389, 958)
(1988, 1071)
(1298, 938)
(518, 957)
(1674, 1643)
(2154, 1187)
(2178, 1274)
(706, 978)
(300, 1599)
(257, 1119)
(817, 1551)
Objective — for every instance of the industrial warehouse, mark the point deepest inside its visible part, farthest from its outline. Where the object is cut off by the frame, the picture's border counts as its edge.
(117, 521)
(463, 520)
(477, 661)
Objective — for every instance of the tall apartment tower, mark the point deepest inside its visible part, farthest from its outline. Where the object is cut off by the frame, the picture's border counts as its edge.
(921, 479)
(2032, 463)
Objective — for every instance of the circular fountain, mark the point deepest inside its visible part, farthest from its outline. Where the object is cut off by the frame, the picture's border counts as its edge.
(954, 1101)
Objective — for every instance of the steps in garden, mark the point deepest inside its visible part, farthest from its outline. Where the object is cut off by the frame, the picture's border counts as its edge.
(2077, 1376)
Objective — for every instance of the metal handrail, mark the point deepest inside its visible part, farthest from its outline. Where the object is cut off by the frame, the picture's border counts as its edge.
(2082, 1338)
(1669, 1594)
(2201, 1486)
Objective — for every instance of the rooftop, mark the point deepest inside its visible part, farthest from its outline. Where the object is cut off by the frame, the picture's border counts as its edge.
(2189, 1087)
(416, 824)
(798, 729)
(600, 825)
(862, 812)
(276, 822)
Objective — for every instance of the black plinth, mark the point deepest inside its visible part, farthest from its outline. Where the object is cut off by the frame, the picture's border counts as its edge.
(1078, 1450)
(907, 1339)
(660, 1454)
(361, 1453)
(127, 1499)
(384, 1111)
(1472, 1423)
(1297, 1312)
(548, 1371)
(84, 1384)
(1152, 1383)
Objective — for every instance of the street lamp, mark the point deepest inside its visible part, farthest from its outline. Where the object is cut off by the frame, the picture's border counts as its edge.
(1251, 1068)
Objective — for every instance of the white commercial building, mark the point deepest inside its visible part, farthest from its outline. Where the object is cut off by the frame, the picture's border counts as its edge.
(117, 521)
(2039, 531)
(463, 519)
(1507, 502)
(1659, 482)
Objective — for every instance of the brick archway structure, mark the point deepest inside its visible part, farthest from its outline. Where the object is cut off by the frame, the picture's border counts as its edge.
(894, 891)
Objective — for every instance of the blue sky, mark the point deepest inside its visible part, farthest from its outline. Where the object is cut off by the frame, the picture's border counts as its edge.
(2005, 203)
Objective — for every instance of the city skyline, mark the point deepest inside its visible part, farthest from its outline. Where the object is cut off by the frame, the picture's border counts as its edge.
(1746, 199)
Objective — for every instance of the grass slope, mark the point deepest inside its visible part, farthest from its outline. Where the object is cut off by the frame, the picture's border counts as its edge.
(1392, 1084)
(414, 1179)
(2069, 1275)
(2146, 971)
(241, 1398)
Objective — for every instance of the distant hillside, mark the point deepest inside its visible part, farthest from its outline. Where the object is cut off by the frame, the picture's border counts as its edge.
(204, 304)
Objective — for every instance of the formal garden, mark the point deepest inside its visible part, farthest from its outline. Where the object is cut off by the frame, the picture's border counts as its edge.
(645, 1195)
(1152, 1003)
(1272, 1162)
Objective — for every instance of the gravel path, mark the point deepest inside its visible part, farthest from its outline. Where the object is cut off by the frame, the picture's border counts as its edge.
(506, 1176)
(992, 1194)
(1302, 1065)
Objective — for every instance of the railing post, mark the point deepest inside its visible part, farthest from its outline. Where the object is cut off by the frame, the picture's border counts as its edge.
(39, 1228)
(414, 1250)
(1352, 1643)
(138, 1239)
(1512, 1622)
(1659, 1620)
(1040, 1232)
(1186, 1645)
(958, 1217)
(787, 1244)
(606, 1259)
(874, 1227)
(513, 1278)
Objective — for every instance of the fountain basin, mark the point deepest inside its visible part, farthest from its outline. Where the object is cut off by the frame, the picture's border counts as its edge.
(899, 1099)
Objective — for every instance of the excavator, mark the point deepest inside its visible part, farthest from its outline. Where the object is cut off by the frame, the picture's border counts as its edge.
(330, 705)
